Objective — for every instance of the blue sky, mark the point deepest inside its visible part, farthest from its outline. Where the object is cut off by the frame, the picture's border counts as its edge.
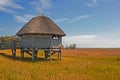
(87, 23)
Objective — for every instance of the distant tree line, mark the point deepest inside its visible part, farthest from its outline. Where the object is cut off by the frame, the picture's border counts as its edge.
(8, 39)
(71, 46)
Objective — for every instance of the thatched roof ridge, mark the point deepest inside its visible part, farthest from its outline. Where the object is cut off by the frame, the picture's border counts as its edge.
(40, 25)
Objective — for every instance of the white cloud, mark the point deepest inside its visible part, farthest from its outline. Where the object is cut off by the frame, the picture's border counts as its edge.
(71, 20)
(6, 10)
(24, 18)
(78, 18)
(96, 2)
(8, 5)
(61, 20)
(92, 3)
(41, 5)
(46, 4)
(92, 41)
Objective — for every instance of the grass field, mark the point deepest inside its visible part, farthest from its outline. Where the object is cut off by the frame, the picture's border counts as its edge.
(78, 64)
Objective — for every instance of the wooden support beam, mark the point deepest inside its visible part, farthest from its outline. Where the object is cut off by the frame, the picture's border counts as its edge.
(60, 55)
(33, 58)
(22, 54)
(34, 54)
(50, 55)
(13, 53)
(13, 49)
(46, 54)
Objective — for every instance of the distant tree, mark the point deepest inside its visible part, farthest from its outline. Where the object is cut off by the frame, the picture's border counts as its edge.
(74, 46)
(8, 39)
(66, 47)
(2, 39)
(17, 38)
(71, 46)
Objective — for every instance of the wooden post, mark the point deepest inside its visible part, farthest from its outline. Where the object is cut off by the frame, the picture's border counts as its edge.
(13, 53)
(50, 55)
(35, 52)
(33, 58)
(60, 54)
(46, 53)
(51, 44)
(22, 53)
(13, 49)
(60, 49)
(34, 55)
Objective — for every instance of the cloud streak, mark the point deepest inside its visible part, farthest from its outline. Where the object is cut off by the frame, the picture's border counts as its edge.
(9, 5)
(24, 18)
(61, 20)
(41, 5)
(96, 2)
(71, 20)
(78, 18)
(92, 3)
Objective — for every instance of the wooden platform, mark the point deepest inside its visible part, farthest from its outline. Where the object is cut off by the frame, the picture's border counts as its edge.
(48, 52)
(34, 51)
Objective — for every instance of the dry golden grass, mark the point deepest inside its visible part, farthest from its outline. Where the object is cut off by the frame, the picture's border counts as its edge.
(78, 64)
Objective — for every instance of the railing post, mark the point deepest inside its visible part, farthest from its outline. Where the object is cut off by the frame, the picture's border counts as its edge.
(34, 54)
(22, 53)
(13, 49)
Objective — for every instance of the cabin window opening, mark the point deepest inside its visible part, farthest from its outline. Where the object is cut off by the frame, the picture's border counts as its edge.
(55, 37)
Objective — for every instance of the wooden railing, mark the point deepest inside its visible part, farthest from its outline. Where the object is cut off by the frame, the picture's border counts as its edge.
(31, 51)
(4, 45)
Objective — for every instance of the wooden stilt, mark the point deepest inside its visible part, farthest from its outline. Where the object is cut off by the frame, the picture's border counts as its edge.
(50, 55)
(13, 53)
(22, 54)
(60, 55)
(47, 54)
(45, 51)
(34, 55)
(13, 49)
(35, 52)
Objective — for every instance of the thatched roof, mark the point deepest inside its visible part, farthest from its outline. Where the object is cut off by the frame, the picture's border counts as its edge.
(40, 25)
